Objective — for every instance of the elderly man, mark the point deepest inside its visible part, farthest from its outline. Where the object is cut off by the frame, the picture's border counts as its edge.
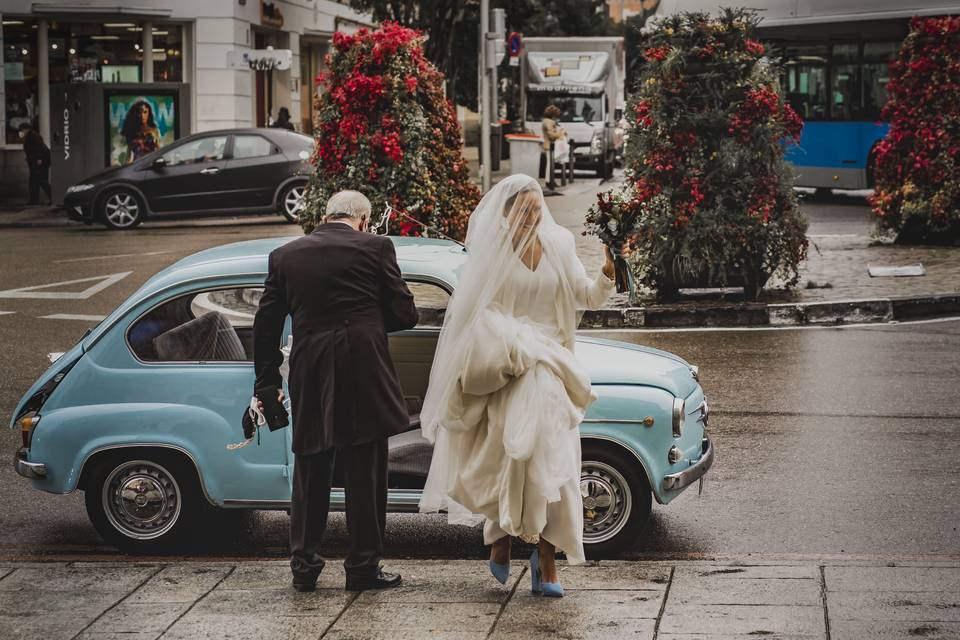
(344, 291)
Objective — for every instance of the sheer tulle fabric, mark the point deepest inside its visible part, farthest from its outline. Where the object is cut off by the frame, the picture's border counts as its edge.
(506, 393)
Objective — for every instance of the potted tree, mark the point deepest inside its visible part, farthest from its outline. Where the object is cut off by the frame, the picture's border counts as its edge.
(708, 200)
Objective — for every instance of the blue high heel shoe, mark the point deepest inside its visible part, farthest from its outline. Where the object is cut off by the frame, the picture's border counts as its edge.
(500, 571)
(548, 589)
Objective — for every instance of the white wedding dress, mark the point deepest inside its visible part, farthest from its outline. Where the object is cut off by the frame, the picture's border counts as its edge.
(507, 394)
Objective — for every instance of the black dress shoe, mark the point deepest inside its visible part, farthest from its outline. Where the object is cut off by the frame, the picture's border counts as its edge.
(382, 580)
(304, 575)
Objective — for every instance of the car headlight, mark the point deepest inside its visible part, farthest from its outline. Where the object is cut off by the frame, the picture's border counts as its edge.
(77, 188)
(596, 143)
(678, 416)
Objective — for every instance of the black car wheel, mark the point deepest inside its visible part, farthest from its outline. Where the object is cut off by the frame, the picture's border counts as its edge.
(121, 209)
(144, 502)
(292, 201)
(616, 500)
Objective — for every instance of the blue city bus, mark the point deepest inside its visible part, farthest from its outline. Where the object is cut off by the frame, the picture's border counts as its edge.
(836, 56)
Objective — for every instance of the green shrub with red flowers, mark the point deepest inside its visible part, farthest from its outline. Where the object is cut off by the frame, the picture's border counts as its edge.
(708, 199)
(386, 129)
(917, 189)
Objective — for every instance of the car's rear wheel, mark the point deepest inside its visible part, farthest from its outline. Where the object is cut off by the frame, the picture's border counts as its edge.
(616, 499)
(144, 501)
(293, 199)
(121, 209)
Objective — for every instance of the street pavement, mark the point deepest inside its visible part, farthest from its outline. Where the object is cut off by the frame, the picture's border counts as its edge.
(836, 474)
(459, 600)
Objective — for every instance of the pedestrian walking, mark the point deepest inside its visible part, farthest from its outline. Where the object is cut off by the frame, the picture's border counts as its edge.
(344, 291)
(283, 120)
(552, 132)
(38, 163)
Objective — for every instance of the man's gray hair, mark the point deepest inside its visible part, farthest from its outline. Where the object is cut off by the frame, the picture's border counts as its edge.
(348, 204)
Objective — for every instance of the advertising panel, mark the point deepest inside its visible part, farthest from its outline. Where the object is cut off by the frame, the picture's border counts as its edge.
(138, 124)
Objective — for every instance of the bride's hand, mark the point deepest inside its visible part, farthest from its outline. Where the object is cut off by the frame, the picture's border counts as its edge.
(608, 268)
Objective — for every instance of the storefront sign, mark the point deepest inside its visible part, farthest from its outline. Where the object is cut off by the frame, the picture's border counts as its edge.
(261, 59)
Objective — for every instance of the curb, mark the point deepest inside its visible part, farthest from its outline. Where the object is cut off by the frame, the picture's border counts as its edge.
(829, 313)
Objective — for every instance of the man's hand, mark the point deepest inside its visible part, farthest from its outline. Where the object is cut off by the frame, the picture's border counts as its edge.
(280, 397)
(608, 268)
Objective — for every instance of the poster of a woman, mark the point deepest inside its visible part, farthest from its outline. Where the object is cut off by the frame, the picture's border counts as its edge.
(139, 125)
(140, 131)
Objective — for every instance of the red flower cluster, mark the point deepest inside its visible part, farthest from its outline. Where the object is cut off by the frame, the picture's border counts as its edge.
(386, 128)
(917, 165)
(656, 53)
(762, 106)
(754, 47)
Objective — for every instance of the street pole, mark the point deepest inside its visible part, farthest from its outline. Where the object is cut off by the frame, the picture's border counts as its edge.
(484, 98)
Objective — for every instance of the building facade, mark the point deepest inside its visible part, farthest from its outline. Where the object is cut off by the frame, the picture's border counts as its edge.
(213, 47)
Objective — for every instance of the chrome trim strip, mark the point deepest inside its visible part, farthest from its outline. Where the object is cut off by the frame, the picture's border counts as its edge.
(613, 421)
(158, 445)
(677, 481)
(31, 470)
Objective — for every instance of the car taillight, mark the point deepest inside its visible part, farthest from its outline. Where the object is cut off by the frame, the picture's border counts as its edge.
(27, 423)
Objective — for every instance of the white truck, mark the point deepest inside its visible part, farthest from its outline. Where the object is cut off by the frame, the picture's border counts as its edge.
(584, 78)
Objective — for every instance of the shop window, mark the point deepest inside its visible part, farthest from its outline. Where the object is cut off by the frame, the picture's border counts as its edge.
(168, 53)
(20, 76)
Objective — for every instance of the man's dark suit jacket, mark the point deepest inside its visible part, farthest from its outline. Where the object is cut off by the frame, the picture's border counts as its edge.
(344, 291)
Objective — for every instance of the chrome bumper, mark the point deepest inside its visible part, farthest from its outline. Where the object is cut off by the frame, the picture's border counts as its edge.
(676, 481)
(27, 469)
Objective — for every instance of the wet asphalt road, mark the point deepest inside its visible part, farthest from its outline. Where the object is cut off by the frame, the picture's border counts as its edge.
(831, 442)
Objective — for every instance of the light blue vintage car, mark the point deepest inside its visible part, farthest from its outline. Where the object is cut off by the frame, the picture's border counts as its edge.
(139, 414)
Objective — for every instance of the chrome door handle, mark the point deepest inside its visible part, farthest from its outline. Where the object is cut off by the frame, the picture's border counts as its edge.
(210, 170)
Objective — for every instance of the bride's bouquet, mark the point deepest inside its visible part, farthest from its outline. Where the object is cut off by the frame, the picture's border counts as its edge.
(613, 219)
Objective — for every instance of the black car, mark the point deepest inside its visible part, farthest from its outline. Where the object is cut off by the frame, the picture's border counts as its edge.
(216, 172)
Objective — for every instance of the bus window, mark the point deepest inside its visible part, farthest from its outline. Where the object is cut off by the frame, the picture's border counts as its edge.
(845, 89)
(806, 80)
(876, 74)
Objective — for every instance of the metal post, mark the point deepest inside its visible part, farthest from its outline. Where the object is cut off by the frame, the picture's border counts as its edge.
(43, 79)
(484, 98)
(147, 46)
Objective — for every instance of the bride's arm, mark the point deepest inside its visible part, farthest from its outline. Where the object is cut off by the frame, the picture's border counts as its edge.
(589, 293)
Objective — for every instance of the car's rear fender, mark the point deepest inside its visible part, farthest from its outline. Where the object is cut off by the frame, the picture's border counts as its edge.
(67, 438)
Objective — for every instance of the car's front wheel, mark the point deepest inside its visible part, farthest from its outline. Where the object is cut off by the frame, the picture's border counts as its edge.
(144, 502)
(293, 199)
(121, 209)
(616, 499)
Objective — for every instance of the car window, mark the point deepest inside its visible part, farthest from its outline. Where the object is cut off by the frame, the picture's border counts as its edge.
(202, 150)
(251, 147)
(431, 301)
(210, 326)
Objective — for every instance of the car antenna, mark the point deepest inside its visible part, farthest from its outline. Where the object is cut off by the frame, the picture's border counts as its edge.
(385, 222)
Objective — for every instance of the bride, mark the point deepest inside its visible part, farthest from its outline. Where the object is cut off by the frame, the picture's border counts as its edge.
(506, 394)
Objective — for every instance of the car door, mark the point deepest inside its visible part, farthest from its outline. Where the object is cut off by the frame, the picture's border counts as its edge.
(196, 349)
(189, 177)
(254, 169)
(412, 351)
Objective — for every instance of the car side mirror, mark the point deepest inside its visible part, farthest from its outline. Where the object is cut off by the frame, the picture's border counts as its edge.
(159, 162)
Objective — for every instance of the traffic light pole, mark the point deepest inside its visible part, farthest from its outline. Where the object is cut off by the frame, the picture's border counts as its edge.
(483, 99)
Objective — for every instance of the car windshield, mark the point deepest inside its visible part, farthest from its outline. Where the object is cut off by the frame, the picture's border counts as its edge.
(572, 108)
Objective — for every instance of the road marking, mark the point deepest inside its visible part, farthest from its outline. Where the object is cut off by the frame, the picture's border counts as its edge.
(34, 293)
(72, 316)
(7, 313)
(862, 325)
(119, 255)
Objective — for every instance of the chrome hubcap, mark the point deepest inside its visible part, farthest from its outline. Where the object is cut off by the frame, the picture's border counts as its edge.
(606, 501)
(122, 209)
(141, 499)
(295, 201)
